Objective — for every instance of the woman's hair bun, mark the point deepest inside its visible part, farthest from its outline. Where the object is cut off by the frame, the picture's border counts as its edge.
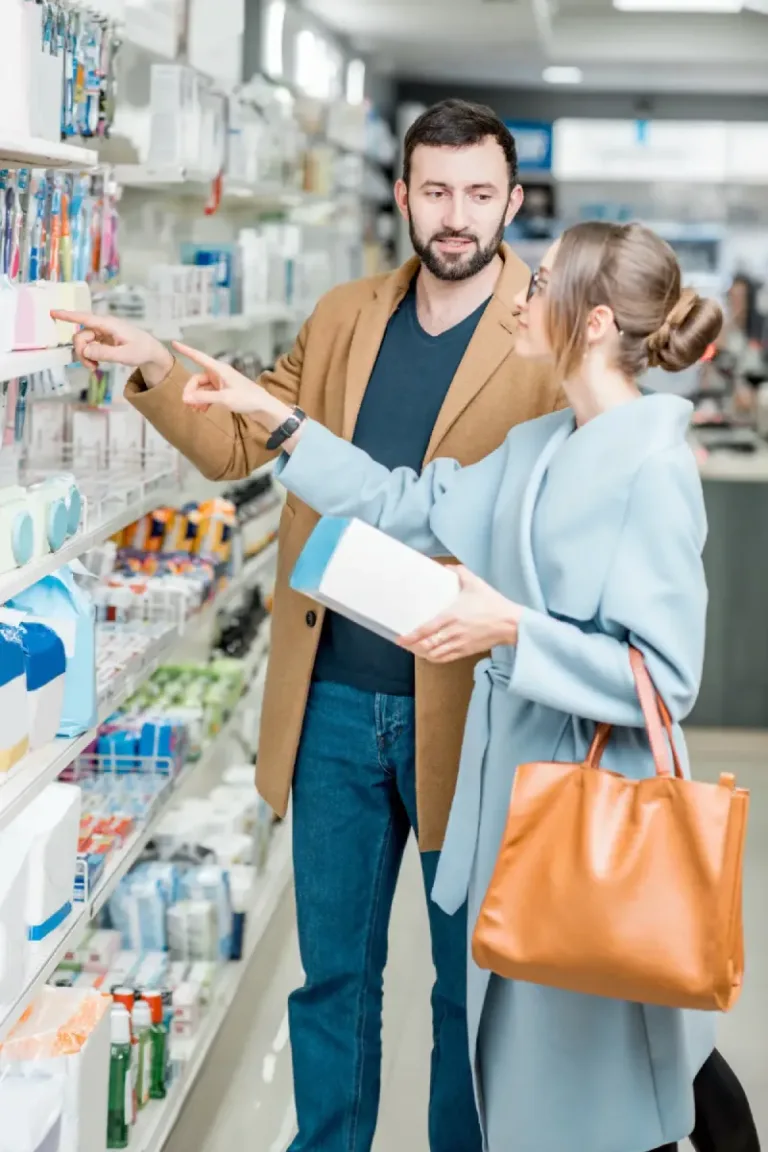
(692, 324)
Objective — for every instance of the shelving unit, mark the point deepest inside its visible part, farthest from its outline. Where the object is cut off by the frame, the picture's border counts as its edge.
(38, 769)
(276, 313)
(11, 583)
(156, 1122)
(124, 860)
(33, 152)
(49, 953)
(187, 182)
(14, 364)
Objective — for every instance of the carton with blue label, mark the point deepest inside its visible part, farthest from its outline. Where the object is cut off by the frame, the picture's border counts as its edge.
(371, 578)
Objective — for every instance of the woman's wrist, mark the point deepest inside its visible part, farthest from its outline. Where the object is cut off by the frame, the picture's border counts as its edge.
(509, 623)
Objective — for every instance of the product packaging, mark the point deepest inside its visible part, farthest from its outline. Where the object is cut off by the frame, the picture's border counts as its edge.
(14, 713)
(50, 825)
(45, 664)
(14, 881)
(59, 602)
(63, 1041)
(372, 578)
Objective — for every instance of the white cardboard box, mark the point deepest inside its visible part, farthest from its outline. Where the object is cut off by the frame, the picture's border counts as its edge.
(372, 579)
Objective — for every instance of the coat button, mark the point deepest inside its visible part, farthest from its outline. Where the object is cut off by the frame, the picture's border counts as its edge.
(311, 618)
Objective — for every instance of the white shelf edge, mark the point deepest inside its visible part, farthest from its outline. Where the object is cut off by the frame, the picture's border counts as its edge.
(15, 581)
(277, 313)
(26, 363)
(156, 1122)
(187, 181)
(71, 932)
(34, 152)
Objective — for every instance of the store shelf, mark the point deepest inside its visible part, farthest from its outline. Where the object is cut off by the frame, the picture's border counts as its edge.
(156, 1122)
(11, 583)
(182, 181)
(277, 313)
(14, 364)
(39, 768)
(33, 152)
(50, 952)
(123, 861)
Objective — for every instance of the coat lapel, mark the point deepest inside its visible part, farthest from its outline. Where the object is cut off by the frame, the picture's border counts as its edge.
(493, 341)
(367, 338)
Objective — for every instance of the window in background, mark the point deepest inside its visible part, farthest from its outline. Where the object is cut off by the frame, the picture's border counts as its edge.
(274, 28)
(356, 82)
(318, 66)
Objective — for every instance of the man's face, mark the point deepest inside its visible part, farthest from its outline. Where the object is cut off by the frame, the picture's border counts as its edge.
(458, 203)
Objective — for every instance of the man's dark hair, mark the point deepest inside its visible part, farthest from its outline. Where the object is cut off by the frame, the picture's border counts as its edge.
(459, 124)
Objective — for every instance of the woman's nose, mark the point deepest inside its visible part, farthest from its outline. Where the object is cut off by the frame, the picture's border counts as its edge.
(521, 301)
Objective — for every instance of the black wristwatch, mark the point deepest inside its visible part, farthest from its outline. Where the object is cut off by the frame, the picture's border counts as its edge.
(286, 429)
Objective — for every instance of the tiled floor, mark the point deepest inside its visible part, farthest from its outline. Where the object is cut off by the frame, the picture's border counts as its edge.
(243, 1098)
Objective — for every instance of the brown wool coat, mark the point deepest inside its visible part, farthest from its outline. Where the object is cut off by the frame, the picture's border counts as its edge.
(326, 373)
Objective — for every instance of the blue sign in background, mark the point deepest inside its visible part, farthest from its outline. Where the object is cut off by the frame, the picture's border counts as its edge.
(534, 145)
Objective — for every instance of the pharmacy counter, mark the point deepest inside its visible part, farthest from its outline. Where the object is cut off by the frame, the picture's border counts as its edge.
(734, 690)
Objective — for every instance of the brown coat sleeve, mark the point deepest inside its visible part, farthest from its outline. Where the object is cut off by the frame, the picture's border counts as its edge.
(221, 444)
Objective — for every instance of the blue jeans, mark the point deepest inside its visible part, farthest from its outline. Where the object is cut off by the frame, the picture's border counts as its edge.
(354, 805)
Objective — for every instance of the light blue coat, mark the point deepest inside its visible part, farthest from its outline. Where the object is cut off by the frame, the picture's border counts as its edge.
(598, 533)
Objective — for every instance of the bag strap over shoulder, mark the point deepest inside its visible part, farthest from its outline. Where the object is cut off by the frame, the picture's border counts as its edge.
(658, 724)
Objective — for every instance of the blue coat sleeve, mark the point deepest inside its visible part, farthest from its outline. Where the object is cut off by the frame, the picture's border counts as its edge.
(444, 511)
(654, 598)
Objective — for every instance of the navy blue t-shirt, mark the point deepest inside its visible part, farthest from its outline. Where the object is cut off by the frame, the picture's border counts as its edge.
(408, 385)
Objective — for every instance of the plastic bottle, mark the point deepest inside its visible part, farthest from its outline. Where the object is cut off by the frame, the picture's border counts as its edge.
(142, 1038)
(125, 998)
(120, 1084)
(159, 1078)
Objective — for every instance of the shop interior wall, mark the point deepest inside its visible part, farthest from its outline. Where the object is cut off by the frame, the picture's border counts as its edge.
(551, 103)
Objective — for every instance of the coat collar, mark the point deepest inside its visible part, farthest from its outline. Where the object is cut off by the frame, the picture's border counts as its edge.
(589, 473)
(491, 343)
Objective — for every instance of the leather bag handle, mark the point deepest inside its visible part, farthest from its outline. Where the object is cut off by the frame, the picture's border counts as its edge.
(658, 724)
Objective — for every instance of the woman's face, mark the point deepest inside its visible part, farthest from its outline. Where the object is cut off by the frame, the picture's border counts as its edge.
(532, 329)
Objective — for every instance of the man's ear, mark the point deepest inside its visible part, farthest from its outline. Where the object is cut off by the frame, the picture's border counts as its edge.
(401, 198)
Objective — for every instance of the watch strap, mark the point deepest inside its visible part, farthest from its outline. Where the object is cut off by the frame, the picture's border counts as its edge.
(290, 425)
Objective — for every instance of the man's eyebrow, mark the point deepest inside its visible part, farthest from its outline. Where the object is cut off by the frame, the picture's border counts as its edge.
(485, 186)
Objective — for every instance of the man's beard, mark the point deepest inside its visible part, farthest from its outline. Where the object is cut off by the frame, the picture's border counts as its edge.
(456, 266)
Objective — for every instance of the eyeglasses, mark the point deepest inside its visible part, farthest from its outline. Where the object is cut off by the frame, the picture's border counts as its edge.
(538, 286)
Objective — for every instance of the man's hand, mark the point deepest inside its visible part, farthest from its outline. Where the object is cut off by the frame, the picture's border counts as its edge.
(109, 340)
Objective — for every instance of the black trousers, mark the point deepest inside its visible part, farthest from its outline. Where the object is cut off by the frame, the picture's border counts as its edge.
(724, 1121)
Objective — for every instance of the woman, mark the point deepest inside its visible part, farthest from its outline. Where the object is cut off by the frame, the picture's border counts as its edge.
(584, 533)
(740, 363)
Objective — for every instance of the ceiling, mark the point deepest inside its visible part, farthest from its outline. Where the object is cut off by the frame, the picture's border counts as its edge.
(509, 42)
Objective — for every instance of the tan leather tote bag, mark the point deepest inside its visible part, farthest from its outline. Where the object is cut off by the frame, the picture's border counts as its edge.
(630, 889)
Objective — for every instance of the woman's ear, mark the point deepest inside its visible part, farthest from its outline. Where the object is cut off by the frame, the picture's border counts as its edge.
(599, 323)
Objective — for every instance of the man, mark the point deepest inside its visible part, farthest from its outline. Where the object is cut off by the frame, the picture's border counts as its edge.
(410, 365)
